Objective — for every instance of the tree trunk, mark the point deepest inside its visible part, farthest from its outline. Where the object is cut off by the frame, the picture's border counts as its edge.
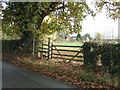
(36, 45)
(27, 42)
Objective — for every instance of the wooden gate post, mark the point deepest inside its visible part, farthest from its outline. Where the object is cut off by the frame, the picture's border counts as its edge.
(33, 46)
(49, 49)
(41, 53)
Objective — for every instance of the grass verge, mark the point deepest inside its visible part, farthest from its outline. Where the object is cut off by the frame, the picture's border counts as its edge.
(68, 72)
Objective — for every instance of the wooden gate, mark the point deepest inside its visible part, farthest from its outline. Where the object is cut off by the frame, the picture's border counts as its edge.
(64, 52)
(67, 52)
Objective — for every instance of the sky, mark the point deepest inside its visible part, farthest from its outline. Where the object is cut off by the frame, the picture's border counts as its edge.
(102, 24)
(107, 26)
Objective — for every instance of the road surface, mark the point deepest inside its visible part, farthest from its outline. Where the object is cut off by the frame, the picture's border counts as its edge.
(15, 77)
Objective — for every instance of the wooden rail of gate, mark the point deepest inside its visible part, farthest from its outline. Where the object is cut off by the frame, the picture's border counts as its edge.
(63, 56)
(45, 50)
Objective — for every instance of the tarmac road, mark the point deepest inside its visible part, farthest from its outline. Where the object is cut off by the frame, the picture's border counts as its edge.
(15, 77)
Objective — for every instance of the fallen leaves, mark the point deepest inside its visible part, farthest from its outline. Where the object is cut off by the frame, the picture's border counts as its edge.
(62, 71)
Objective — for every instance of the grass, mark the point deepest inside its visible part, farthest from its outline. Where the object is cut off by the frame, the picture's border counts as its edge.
(69, 44)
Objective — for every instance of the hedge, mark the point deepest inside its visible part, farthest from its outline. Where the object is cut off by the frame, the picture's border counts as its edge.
(10, 46)
(108, 53)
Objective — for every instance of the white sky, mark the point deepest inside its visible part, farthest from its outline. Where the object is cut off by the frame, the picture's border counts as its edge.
(102, 24)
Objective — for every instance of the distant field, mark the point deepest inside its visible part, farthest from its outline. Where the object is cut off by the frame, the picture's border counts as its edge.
(69, 44)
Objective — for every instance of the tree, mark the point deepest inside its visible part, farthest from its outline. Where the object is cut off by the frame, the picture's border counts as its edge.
(62, 35)
(28, 17)
(1, 8)
(112, 6)
(99, 36)
(87, 35)
(78, 37)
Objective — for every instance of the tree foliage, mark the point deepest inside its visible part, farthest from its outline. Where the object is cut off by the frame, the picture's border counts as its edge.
(62, 35)
(99, 36)
(29, 16)
(84, 37)
(112, 6)
(78, 37)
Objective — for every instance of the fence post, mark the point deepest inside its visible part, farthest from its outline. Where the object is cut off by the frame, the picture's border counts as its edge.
(49, 49)
(41, 53)
(36, 45)
(33, 46)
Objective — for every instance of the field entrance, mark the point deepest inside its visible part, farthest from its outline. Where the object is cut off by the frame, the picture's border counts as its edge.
(64, 51)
